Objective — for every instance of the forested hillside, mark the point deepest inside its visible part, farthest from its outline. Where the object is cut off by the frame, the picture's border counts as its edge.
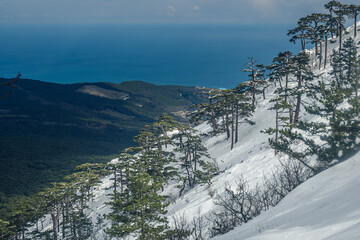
(274, 157)
(47, 129)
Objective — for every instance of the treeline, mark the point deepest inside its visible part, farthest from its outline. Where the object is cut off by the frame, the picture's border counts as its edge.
(311, 146)
(167, 151)
(316, 115)
(63, 204)
(333, 98)
(318, 28)
(172, 153)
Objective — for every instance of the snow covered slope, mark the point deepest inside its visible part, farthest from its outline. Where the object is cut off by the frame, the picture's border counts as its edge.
(326, 206)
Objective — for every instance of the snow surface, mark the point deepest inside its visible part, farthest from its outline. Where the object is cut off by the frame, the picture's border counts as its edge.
(326, 206)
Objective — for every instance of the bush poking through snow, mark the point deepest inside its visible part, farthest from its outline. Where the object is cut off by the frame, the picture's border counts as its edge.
(239, 206)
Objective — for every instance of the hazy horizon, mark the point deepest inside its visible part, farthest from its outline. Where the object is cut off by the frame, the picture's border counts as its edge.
(158, 11)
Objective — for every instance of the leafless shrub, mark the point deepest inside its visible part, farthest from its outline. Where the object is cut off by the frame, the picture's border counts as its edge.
(221, 222)
(181, 230)
(238, 206)
(243, 203)
(199, 228)
(283, 180)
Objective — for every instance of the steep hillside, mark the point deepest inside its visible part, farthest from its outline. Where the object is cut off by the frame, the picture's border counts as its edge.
(47, 129)
(324, 207)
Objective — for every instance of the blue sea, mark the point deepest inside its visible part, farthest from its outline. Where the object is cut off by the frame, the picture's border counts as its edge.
(190, 55)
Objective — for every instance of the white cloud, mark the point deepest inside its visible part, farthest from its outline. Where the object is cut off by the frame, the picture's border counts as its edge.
(172, 8)
(196, 8)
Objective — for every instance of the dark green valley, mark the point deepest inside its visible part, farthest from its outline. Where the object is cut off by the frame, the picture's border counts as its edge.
(47, 129)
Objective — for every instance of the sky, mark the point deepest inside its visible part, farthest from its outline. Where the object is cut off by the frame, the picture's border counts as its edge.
(157, 11)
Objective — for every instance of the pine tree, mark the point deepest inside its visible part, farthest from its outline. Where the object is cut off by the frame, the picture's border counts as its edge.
(353, 12)
(243, 108)
(341, 12)
(300, 32)
(165, 124)
(139, 210)
(5, 229)
(118, 169)
(207, 111)
(54, 199)
(340, 129)
(324, 31)
(256, 83)
(282, 67)
(303, 74)
(313, 23)
(282, 108)
(20, 216)
(194, 168)
(332, 7)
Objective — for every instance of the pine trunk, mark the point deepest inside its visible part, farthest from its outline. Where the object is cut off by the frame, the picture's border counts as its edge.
(356, 93)
(298, 102)
(115, 183)
(320, 56)
(326, 50)
(232, 128)
(355, 27)
(340, 38)
(277, 125)
(63, 223)
(213, 119)
(54, 218)
(227, 126)
(286, 86)
(263, 92)
(121, 182)
(253, 98)
(237, 124)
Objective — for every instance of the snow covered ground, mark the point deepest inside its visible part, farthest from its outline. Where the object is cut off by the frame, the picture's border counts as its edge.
(326, 206)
